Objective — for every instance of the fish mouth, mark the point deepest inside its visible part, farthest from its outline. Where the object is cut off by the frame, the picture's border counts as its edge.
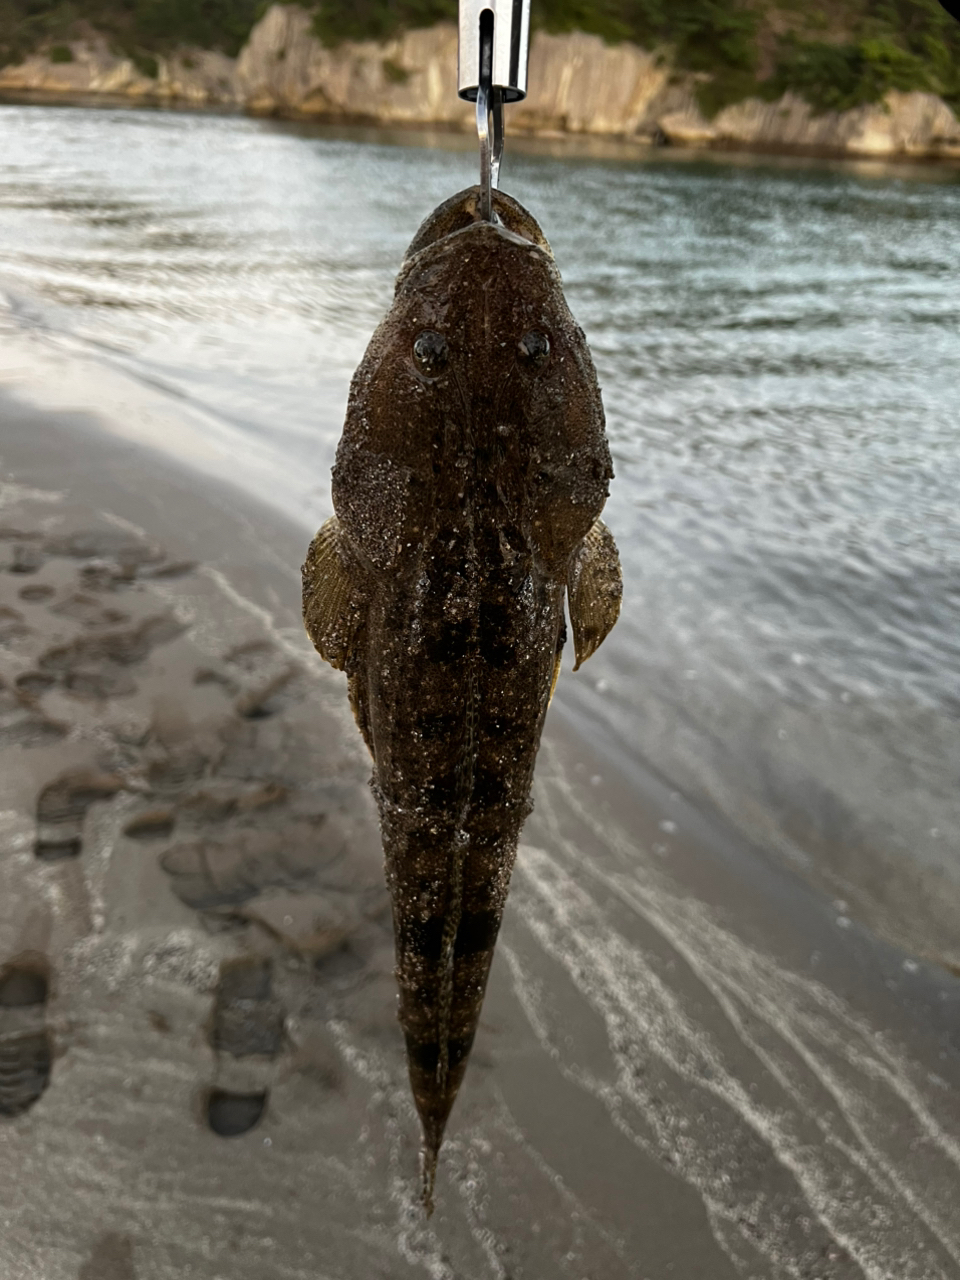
(463, 210)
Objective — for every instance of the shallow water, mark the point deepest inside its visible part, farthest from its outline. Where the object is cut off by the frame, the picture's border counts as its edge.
(779, 355)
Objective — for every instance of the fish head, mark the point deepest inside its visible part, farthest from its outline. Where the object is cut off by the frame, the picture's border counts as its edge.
(478, 386)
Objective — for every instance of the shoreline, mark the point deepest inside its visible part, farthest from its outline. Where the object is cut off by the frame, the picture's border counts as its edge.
(612, 146)
(579, 87)
(652, 969)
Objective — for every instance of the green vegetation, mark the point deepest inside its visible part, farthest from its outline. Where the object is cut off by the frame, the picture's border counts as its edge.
(337, 20)
(145, 63)
(840, 55)
(209, 24)
(394, 72)
(140, 29)
(61, 53)
(904, 44)
(847, 53)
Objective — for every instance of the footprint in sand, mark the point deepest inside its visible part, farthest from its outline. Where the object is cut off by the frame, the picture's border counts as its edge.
(62, 807)
(25, 1051)
(265, 700)
(22, 723)
(98, 666)
(37, 592)
(211, 875)
(89, 611)
(247, 1024)
(12, 625)
(101, 663)
(152, 824)
(110, 1259)
(115, 558)
(259, 677)
(26, 557)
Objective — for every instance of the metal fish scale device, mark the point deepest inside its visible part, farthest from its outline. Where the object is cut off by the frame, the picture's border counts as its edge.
(467, 490)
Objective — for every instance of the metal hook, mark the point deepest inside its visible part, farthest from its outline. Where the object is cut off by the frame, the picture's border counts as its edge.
(485, 130)
(489, 121)
(494, 44)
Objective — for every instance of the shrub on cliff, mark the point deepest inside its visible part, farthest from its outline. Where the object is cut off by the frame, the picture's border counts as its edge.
(338, 20)
(706, 35)
(838, 56)
(208, 24)
(138, 28)
(908, 45)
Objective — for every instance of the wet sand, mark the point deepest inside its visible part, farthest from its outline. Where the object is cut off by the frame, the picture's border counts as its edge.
(689, 1064)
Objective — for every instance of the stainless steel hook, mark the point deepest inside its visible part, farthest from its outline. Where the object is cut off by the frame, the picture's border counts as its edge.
(494, 53)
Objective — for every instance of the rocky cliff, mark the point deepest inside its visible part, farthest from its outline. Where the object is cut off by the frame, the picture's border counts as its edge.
(904, 124)
(195, 77)
(578, 84)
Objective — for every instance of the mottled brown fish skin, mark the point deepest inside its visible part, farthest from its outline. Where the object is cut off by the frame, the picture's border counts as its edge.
(469, 478)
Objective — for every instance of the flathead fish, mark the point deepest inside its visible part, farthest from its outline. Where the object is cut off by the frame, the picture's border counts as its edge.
(467, 488)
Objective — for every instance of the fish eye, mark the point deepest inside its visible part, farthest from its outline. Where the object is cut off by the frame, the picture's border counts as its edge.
(431, 352)
(535, 348)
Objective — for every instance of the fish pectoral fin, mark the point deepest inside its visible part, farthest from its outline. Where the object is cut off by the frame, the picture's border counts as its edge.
(594, 591)
(558, 660)
(555, 677)
(331, 599)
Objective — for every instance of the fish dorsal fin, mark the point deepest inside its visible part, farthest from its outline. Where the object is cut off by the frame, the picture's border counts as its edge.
(594, 590)
(331, 598)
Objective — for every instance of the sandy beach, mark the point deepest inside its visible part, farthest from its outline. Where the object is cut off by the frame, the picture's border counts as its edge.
(689, 1063)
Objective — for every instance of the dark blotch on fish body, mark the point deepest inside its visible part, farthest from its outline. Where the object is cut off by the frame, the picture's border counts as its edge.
(467, 488)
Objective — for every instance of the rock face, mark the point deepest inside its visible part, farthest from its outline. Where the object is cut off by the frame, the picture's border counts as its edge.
(196, 77)
(578, 84)
(905, 124)
(410, 80)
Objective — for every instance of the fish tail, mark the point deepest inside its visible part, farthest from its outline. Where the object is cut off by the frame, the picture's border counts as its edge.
(428, 1173)
(451, 926)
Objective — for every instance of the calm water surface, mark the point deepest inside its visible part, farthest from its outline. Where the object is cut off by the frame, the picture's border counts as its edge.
(778, 348)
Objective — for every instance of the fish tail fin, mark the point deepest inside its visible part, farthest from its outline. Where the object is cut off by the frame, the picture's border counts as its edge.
(443, 962)
(429, 1153)
(434, 1101)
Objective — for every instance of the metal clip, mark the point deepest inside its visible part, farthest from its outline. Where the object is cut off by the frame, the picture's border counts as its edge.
(494, 53)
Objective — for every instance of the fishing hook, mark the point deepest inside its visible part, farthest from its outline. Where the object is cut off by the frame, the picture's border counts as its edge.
(494, 52)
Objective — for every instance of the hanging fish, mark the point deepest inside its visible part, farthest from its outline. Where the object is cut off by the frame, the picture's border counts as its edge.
(468, 483)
